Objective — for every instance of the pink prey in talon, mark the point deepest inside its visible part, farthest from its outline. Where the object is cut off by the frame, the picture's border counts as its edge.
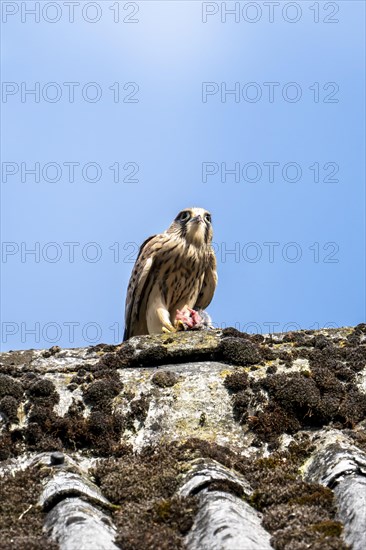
(187, 319)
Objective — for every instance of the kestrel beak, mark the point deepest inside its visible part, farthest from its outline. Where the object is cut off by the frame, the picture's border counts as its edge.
(198, 219)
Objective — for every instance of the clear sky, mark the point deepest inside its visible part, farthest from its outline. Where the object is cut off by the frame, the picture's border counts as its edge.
(140, 109)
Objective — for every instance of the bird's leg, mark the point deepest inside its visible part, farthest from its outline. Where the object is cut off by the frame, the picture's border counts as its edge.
(164, 317)
(158, 320)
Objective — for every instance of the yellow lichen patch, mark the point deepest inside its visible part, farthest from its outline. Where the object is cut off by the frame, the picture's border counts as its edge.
(66, 378)
(225, 372)
(200, 340)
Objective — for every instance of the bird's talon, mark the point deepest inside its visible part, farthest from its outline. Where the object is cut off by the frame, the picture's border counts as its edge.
(168, 328)
(179, 325)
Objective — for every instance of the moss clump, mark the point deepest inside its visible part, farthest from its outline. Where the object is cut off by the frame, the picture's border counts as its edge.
(325, 393)
(81, 377)
(42, 392)
(237, 381)
(99, 434)
(355, 357)
(52, 351)
(154, 355)
(299, 338)
(139, 408)
(6, 446)
(151, 516)
(101, 348)
(13, 362)
(240, 402)
(272, 369)
(292, 391)
(239, 351)
(9, 408)
(272, 422)
(164, 379)
(99, 394)
(234, 333)
(267, 352)
(120, 358)
(41, 388)
(161, 350)
(328, 528)
(357, 335)
(298, 514)
(294, 512)
(177, 513)
(10, 387)
(197, 448)
(21, 520)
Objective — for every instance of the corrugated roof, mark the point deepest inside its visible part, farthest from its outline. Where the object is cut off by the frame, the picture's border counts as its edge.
(207, 439)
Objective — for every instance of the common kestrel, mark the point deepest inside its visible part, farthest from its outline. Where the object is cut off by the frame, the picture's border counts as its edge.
(174, 274)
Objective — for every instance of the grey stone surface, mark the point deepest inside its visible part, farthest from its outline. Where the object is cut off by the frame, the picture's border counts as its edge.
(77, 525)
(225, 522)
(340, 465)
(62, 484)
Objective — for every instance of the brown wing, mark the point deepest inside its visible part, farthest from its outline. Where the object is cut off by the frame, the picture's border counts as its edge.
(141, 281)
(209, 284)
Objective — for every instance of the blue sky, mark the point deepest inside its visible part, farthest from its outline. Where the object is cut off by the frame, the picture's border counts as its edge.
(152, 98)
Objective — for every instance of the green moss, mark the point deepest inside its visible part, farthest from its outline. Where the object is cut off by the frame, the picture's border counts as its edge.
(314, 495)
(163, 509)
(328, 528)
(164, 379)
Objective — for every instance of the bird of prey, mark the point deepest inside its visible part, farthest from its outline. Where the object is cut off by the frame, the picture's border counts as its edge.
(174, 274)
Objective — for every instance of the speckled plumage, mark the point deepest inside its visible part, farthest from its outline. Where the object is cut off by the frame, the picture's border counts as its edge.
(173, 270)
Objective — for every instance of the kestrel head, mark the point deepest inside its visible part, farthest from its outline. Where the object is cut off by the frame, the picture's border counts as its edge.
(194, 225)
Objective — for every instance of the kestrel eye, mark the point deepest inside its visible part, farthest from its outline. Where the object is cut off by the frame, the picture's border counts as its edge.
(184, 216)
(208, 218)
